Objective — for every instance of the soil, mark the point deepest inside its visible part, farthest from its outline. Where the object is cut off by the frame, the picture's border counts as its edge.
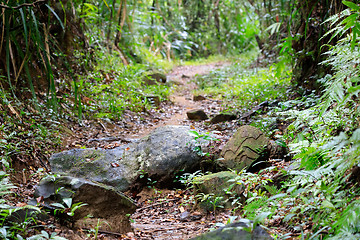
(161, 213)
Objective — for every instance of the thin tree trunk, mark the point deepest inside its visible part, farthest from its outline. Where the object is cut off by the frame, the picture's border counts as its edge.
(121, 21)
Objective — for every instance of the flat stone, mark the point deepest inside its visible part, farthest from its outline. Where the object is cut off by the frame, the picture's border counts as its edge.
(241, 230)
(198, 98)
(104, 203)
(223, 117)
(196, 114)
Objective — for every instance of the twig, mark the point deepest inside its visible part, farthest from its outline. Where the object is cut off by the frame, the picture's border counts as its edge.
(105, 232)
(108, 139)
(156, 204)
(164, 229)
(23, 5)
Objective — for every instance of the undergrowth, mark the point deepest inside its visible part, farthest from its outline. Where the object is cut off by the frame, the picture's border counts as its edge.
(243, 85)
(318, 198)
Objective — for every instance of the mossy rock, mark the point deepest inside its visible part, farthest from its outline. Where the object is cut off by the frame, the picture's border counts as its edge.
(95, 165)
(196, 114)
(223, 117)
(248, 148)
(159, 156)
(217, 183)
(154, 78)
(103, 203)
(241, 230)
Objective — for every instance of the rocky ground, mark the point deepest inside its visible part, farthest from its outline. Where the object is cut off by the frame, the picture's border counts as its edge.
(161, 213)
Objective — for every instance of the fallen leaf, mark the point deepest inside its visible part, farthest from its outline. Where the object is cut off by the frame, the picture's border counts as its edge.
(115, 165)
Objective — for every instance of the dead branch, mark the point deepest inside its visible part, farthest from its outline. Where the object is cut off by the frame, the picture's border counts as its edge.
(23, 5)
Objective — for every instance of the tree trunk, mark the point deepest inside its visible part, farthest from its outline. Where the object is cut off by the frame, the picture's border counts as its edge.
(308, 48)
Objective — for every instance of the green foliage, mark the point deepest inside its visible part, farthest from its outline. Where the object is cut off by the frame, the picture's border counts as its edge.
(44, 236)
(201, 140)
(242, 87)
(24, 132)
(325, 144)
(8, 229)
(26, 45)
(108, 93)
(67, 206)
(210, 202)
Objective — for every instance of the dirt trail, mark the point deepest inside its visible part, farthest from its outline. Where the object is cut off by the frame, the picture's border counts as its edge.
(166, 219)
(182, 97)
(162, 214)
(108, 134)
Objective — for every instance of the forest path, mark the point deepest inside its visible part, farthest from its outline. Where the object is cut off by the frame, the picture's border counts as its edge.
(109, 134)
(162, 214)
(182, 97)
(170, 214)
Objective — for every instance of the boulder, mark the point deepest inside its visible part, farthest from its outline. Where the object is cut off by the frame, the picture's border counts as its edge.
(159, 156)
(154, 78)
(241, 230)
(101, 165)
(198, 98)
(223, 117)
(196, 114)
(104, 204)
(219, 185)
(163, 153)
(248, 148)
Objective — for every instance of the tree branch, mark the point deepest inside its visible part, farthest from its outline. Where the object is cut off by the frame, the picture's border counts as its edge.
(23, 5)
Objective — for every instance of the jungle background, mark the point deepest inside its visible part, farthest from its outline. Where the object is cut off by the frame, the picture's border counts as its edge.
(70, 65)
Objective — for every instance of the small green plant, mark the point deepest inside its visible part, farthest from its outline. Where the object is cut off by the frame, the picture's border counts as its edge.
(210, 201)
(68, 207)
(150, 183)
(187, 178)
(44, 236)
(200, 140)
(94, 232)
(8, 229)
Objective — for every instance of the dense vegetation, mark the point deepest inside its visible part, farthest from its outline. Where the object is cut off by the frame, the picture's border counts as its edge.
(70, 61)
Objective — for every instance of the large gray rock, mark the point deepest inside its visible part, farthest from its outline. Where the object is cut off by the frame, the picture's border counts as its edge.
(223, 117)
(248, 148)
(241, 230)
(164, 152)
(104, 203)
(159, 155)
(95, 165)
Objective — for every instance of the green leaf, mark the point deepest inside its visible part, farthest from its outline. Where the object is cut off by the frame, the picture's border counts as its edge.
(277, 196)
(59, 205)
(260, 218)
(3, 232)
(68, 202)
(289, 216)
(57, 17)
(328, 204)
(351, 5)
